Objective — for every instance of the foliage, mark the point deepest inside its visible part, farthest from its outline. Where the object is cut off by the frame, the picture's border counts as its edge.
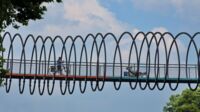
(21, 11)
(187, 101)
(2, 71)
(16, 13)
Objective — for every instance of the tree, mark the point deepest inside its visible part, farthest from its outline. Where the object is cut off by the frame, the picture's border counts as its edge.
(187, 101)
(16, 13)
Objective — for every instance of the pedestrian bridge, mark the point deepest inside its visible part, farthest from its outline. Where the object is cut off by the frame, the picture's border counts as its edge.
(146, 60)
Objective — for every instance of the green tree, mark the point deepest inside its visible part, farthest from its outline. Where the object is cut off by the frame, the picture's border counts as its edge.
(187, 101)
(16, 13)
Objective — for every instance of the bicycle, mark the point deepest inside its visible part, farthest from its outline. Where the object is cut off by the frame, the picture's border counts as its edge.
(58, 70)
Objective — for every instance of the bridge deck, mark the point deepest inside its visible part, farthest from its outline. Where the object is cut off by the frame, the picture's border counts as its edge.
(101, 78)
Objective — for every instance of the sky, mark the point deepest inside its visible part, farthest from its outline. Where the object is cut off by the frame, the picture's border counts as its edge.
(81, 17)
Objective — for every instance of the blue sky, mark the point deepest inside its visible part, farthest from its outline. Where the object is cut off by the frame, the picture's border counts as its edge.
(81, 17)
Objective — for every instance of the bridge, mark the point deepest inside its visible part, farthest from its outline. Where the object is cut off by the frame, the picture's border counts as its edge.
(146, 60)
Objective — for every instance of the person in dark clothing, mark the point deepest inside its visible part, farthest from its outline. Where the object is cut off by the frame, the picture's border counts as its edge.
(59, 65)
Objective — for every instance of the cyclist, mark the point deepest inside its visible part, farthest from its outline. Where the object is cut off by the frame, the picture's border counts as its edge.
(59, 65)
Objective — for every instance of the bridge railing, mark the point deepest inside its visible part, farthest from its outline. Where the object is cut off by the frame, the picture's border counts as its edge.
(44, 67)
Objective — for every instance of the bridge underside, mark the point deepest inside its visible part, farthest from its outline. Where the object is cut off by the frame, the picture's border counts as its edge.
(102, 78)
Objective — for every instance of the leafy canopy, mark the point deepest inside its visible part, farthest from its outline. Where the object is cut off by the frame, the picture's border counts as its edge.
(16, 13)
(187, 101)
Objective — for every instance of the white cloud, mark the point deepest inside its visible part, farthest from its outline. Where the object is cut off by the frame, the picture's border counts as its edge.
(82, 17)
(87, 16)
(160, 29)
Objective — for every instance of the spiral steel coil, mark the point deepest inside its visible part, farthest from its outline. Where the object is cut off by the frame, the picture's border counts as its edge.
(97, 59)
